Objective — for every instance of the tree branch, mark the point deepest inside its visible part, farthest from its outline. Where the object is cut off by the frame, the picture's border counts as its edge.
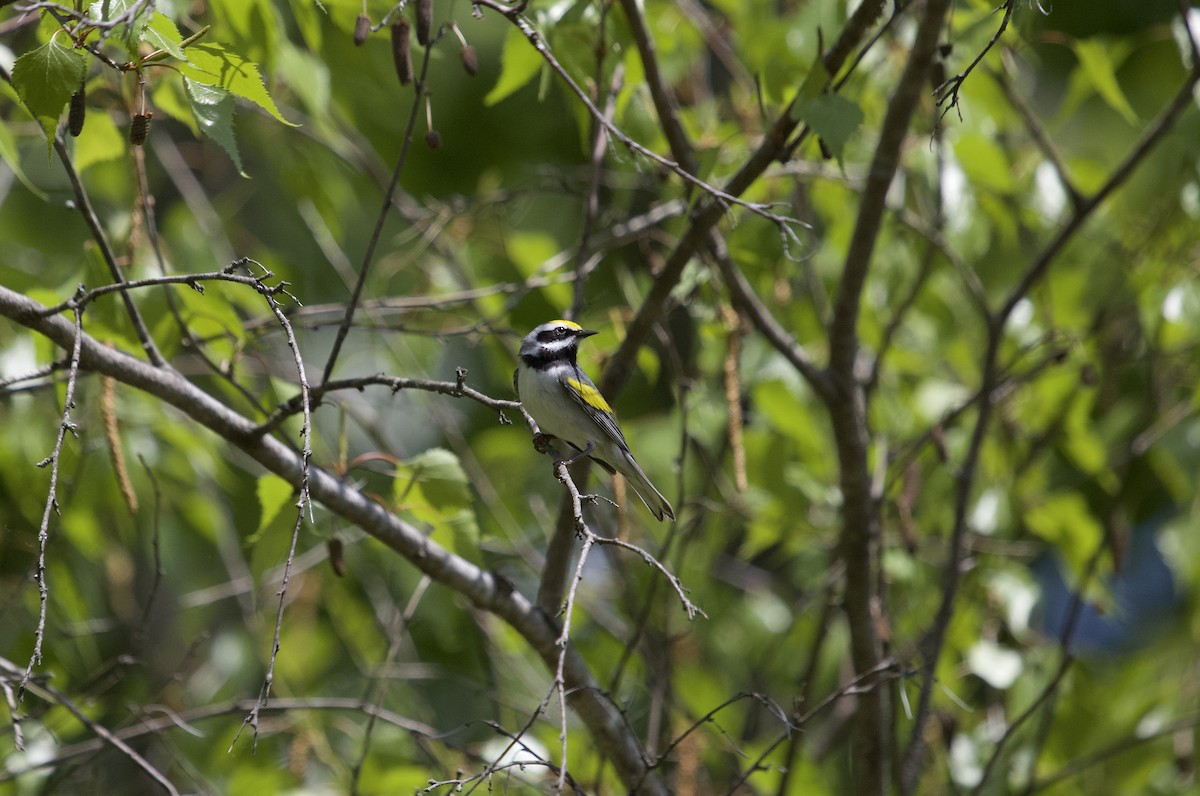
(602, 717)
(848, 411)
(935, 637)
(774, 144)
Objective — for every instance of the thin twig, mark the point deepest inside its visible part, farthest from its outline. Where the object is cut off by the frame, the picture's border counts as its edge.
(106, 252)
(1080, 764)
(195, 281)
(660, 91)
(384, 210)
(947, 92)
(612, 736)
(49, 693)
(379, 684)
(723, 198)
(159, 572)
(454, 389)
(65, 425)
(585, 261)
(33, 375)
(185, 719)
(696, 238)
(304, 501)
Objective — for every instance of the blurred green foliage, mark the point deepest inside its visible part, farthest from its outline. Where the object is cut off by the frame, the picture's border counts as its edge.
(167, 611)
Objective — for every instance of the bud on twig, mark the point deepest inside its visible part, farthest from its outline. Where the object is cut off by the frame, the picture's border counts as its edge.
(400, 51)
(470, 60)
(424, 21)
(78, 112)
(362, 29)
(433, 139)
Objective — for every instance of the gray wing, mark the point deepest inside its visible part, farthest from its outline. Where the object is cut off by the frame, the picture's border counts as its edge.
(516, 384)
(606, 420)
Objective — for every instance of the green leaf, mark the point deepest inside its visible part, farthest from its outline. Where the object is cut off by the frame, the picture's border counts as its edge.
(162, 34)
(519, 63)
(833, 118)
(984, 162)
(1095, 63)
(1065, 521)
(812, 87)
(213, 108)
(528, 252)
(307, 14)
(101, 141)
(10, 155)
(46, 78)
(273, 494)
(434, 488)
(442, 478)
(216, 65)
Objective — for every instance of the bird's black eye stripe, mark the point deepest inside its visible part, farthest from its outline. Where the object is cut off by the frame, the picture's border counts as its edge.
(557, 333)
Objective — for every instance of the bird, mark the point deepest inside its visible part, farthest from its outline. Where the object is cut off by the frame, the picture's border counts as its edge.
(565, 403)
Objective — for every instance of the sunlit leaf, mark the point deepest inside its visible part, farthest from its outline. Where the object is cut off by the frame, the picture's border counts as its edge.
(162, 34)
(1065, 521)
(519, 64)
(100, 142)
(1095, 63)
(273, 495)
(217, 65)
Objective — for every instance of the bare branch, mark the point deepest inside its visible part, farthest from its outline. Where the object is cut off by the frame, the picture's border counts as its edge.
(65, 425)
(848, 411)
(948, 91)
(695, 239)
(303, 502)
(660, 92)
(185, 719)
(604, 720)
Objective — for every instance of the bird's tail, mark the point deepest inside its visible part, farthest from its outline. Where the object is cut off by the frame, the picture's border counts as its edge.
(659, 506)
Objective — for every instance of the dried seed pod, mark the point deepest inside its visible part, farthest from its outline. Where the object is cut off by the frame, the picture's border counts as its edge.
(433, 139)
(401, 52)
(424, 21)
(362, 29)
(78, 112)
(470, 60)
(139, 128)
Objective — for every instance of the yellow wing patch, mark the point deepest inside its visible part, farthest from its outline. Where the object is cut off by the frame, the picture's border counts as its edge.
(568, 324)
(590, 395)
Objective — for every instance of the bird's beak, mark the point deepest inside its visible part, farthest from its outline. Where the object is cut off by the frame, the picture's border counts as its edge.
(582, 333)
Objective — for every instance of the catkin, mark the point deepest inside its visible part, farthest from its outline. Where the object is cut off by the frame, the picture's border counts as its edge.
(401, 52)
